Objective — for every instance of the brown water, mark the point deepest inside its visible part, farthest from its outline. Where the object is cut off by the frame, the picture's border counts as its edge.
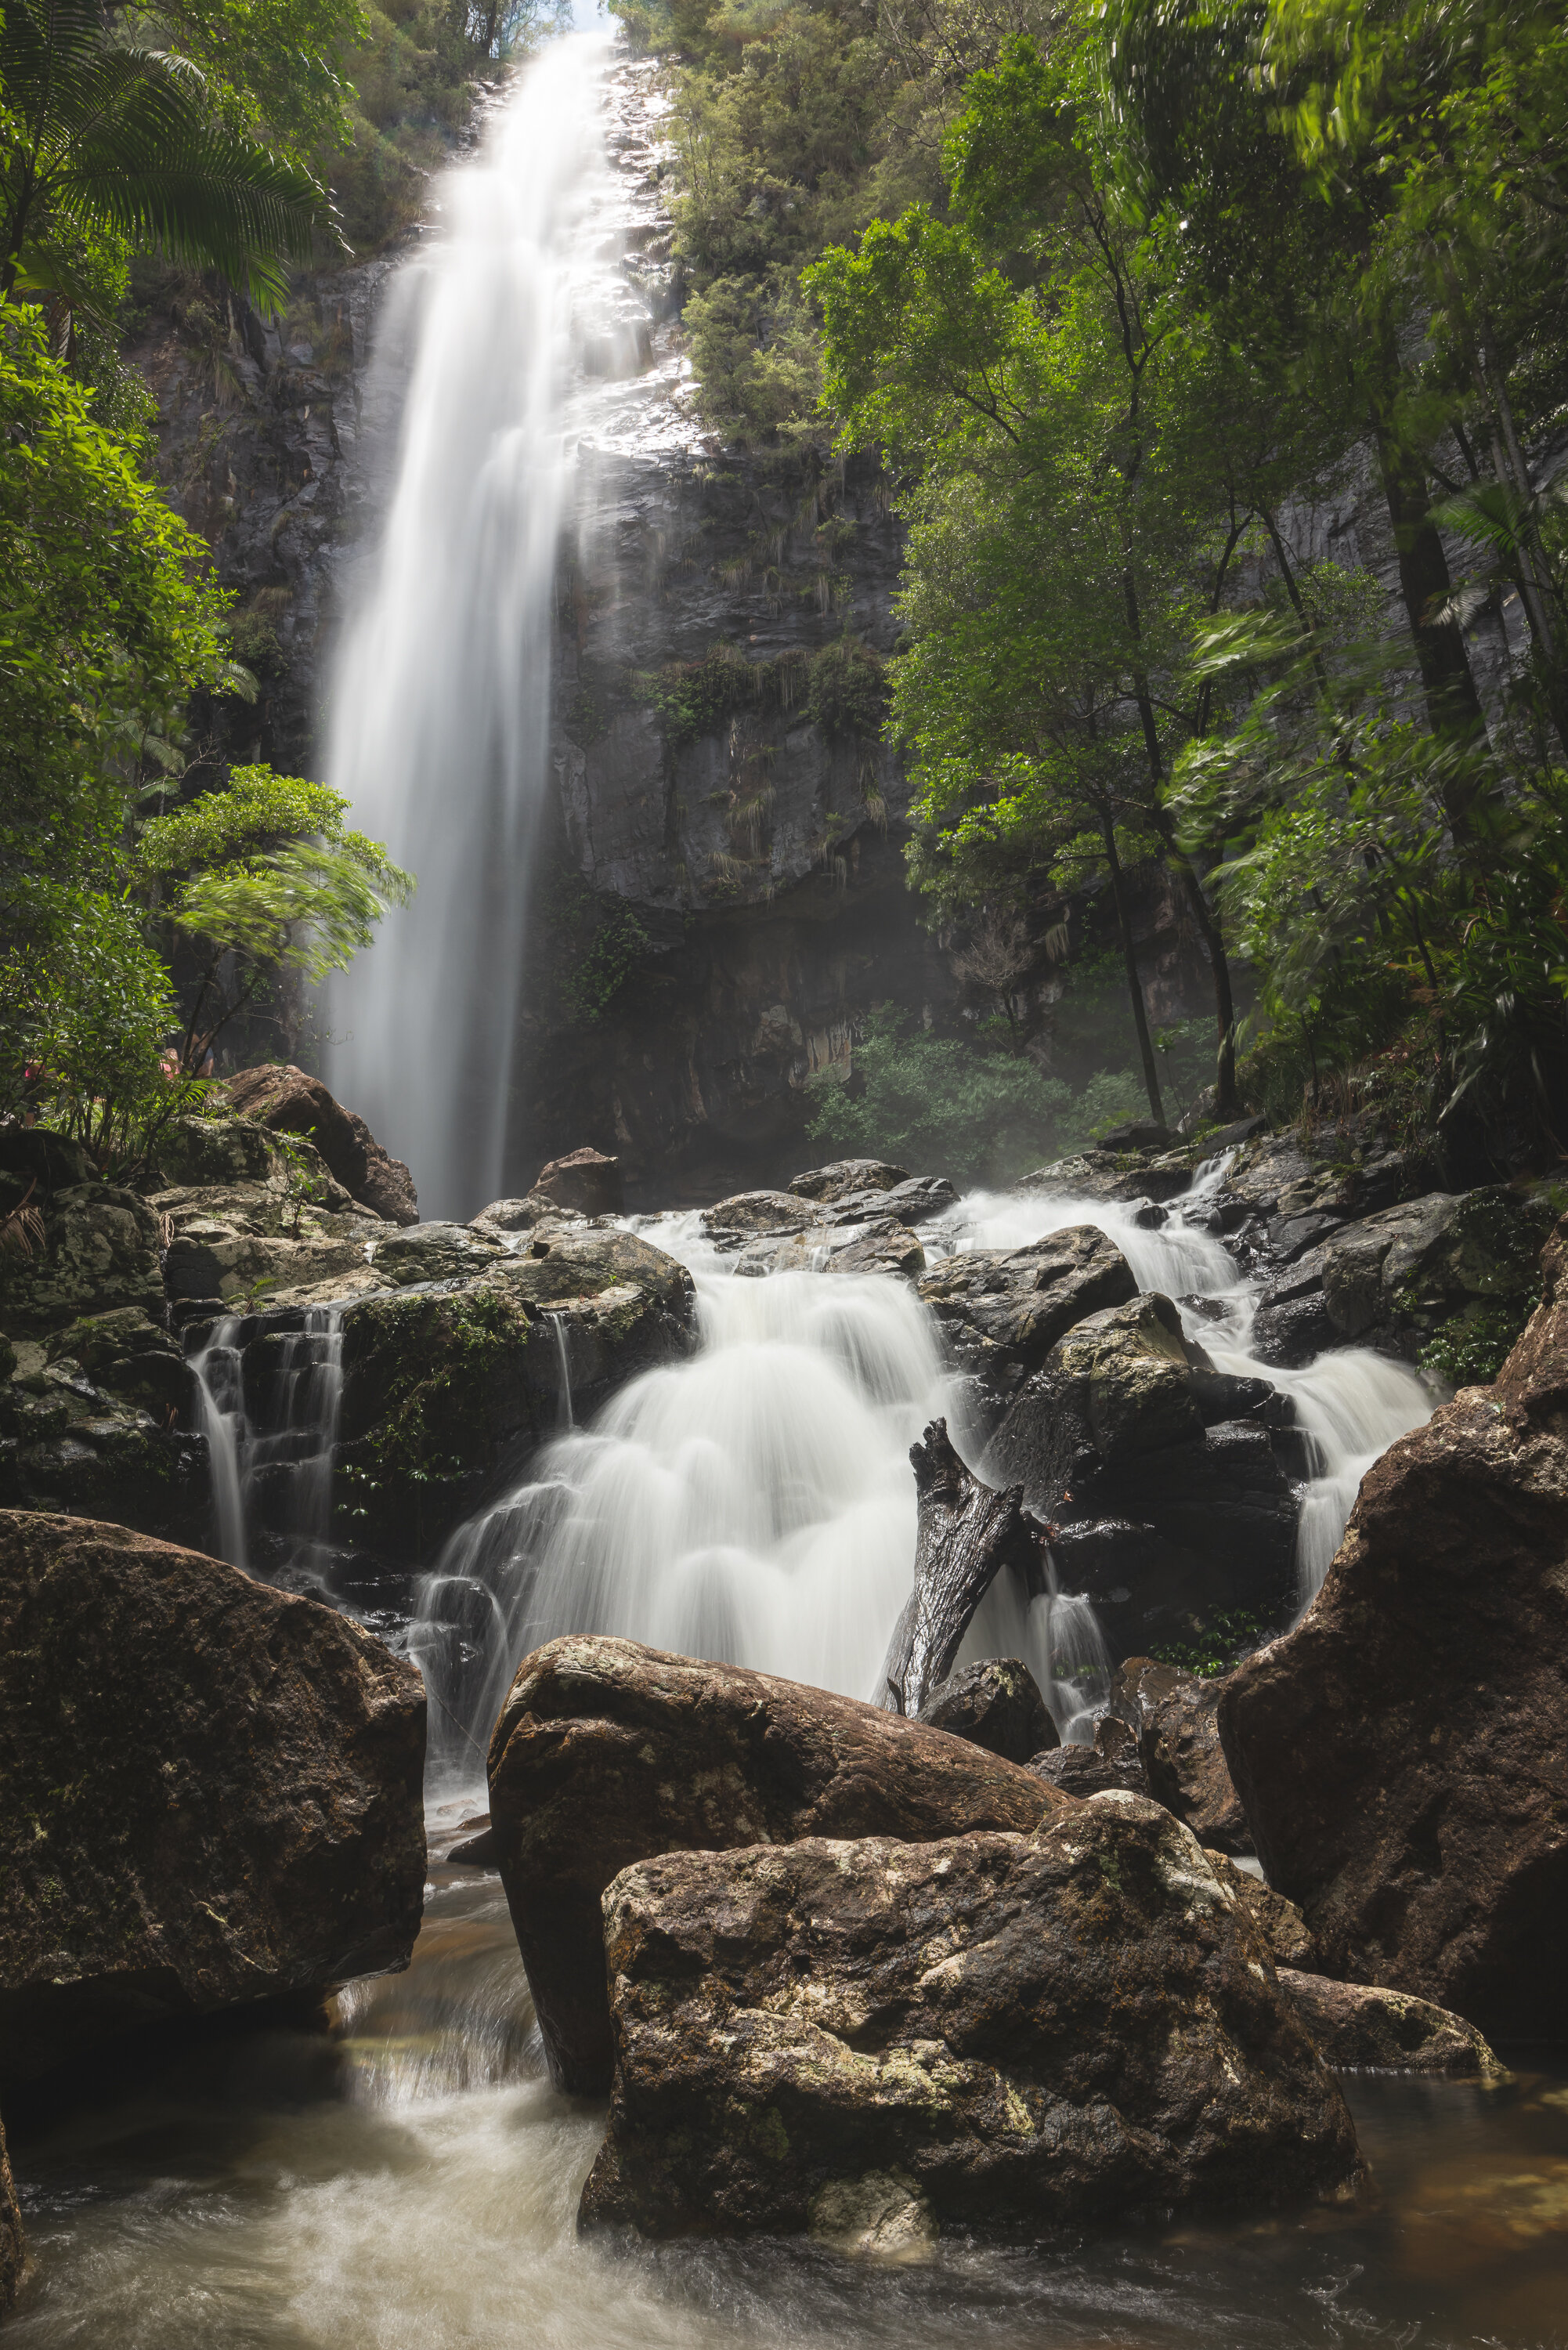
(410, 2182)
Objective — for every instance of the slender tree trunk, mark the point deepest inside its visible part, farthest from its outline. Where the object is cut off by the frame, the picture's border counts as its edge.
(1134, 986)
(1453, 705)
(1208, 928)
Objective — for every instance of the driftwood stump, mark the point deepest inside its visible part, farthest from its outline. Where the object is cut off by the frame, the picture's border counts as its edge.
(967, 1533)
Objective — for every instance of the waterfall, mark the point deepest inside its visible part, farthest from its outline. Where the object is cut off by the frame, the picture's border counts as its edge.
(440, 730)
(267, 1403)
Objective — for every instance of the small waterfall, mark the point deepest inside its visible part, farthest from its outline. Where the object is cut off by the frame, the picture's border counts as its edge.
(754, 1503)
(219, 1374)
(267, 1403)
(1351, 1404)
(440, 724)
(563, 1356)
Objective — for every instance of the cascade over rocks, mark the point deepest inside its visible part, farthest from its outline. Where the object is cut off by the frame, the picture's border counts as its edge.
(1002, 1310)
(586, 1181)
(965, 1535)
(996, 1705)
(1400, 1752)
(1166, 1481)
(288, 1101)
(214, 1791)
(1172, 1713)
(607, 1753)
(447, 1385)
(1026, 2032)
(1358, 2028)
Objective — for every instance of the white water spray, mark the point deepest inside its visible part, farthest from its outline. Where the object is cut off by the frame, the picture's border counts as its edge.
(440, 721)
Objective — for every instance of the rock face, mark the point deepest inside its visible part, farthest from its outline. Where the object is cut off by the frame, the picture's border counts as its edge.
(1167, 1482)
(1400, 1752)
(213, 1791)
(90, 1427)
(1358, 2029)
(847, 1176)
(283, 1098)
(445, 1387)
(607, 1753)
(1279, 1921)
(586, 1181)
(996, 1705)
(1171, 1712)
(99, 1251)
(1002, 1310)
(1112, 1763)
(13, 2245)
(1024, 2032)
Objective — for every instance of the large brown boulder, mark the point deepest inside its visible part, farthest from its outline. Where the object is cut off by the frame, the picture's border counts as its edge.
(1358, 2027)
(607, 1753)
(1002, 1310)
(1017, 2032)
(586, 1181)
(1171, 1712)
(213, 1790)
(13, 2245)
(290, 1102)
(997, 1705)
(1400, 1752)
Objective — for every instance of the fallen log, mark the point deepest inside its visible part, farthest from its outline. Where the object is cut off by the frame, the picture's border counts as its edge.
(968, 1532)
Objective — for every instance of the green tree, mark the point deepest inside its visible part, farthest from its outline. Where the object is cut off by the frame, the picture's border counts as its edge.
(128, 141)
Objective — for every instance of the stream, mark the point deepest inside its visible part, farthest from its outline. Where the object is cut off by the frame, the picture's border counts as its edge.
(401, 2175)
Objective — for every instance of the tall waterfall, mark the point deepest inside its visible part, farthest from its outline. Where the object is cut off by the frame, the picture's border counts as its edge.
(440, 709)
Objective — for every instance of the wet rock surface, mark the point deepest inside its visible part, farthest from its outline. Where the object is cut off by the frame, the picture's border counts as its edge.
(1110, 1766)
(99, 1251)
(448, 1385)
(586, 1181)
(1121, 1175)
(996, 1705)
(1358, 2027)
(1399, 1753)
(214, 1791)
(285, 1100)
(607, 1753)
(1279, 1921)
(1172, 1714)
(846, 1177)
(91, 1426)
(1027, 2031)
(1166, 1508)
(1002, 1310)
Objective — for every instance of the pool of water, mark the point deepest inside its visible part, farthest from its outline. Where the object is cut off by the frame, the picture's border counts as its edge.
(408, 2179)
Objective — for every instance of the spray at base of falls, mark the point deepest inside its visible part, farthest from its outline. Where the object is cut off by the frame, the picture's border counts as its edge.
(271, 1432)
(440, 734)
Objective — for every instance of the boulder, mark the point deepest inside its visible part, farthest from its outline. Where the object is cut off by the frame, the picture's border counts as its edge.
(1358, 2028)
(586, 1181)
(1172, 1713)
(1400, 1752)
(285, 1099)
(730, 1223)
(518, 1216)
(1279, 1921)
(1111, 1764)
(879, 1245)
(99, 1251)
(1027, 2033)
(996, 1705)
(1444, 1268)
(1114, 1175)
(1167, 1484)
(852, 1175)
(36, 1160)
(446, 1389)
(435, 1251)
(1002, 1310)
(214, 1790)
(13, 2244)
(607, 1753)
(90, 1426)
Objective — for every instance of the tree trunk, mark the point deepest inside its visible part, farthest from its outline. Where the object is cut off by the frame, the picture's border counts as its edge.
(1134, 986)
(1453, 705)
(1226, 1103)
(967, 1533)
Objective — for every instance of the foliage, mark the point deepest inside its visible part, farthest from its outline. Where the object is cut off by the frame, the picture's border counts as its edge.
(273, 66)
(1229, 1635)
(127, 140)
(848, 689)
(978, 1116)
(611, 956)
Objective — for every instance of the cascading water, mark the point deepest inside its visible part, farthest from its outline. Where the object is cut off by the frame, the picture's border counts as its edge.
(441, 714)
(271, 1424)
